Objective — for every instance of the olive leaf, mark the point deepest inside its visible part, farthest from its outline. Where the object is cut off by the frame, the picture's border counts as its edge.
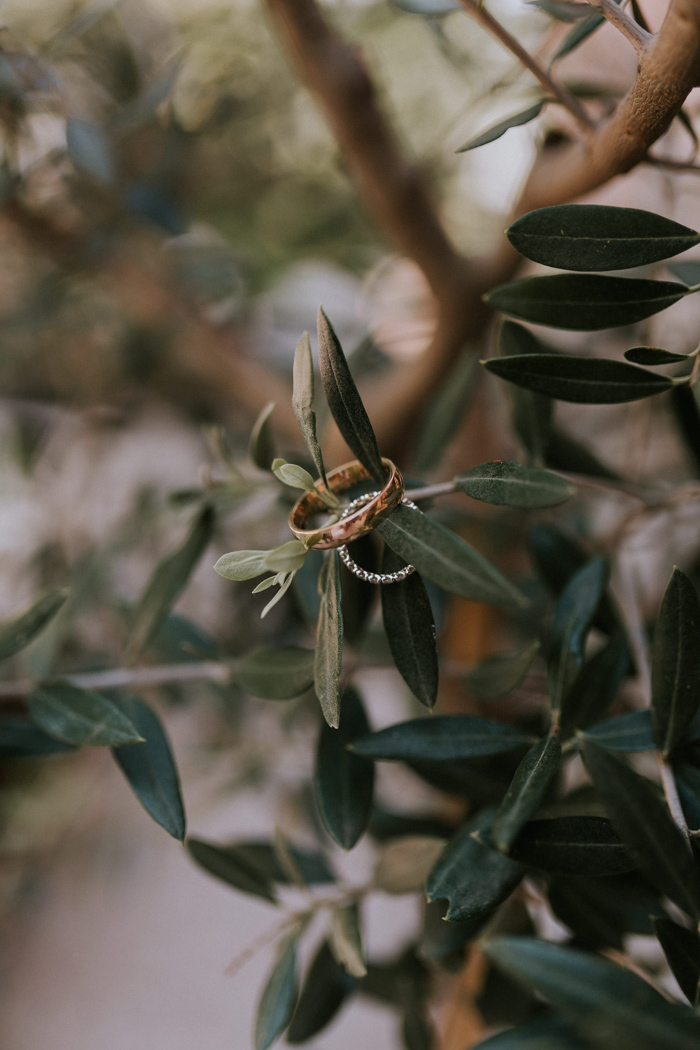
(345, 939)
(513, 485)
(276, 672)
(17, 633)
(328, 658)
(564, 10)
(343, 780)
(584, 380)
(675, 672)
(441, 738)
(499, 675)
(584, 302)
(532, 778)
(500, 129)
(80, 716)
(345, 402)
(577, 35)
(150, 769)
(653, 355)
(547, 1032)
(445, 413)
(630, 732)
(578, 845)
(682, 950)
(234, 866)
(326, 987)
(573, 618)
(167, 582)
(445, 559)
(297, 478)
(279, 995)
(596, 686)
(261, 446)
(598, 237)
(410, 630)
(20, 738)
(303, 401)
(428, 7)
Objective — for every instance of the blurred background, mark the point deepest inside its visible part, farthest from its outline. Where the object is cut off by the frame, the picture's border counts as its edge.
(174, 212)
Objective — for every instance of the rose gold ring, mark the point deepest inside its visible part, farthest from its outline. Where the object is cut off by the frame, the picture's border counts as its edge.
(360, 521)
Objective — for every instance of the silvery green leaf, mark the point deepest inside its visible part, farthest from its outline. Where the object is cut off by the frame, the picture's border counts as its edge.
(291, 474)
(303, 401)
(328, 658)
(498, 130)
(675, 673)
(346, 940)
(265, 585)
(80, 717)
(279, 996)
(280, 594)
(17, 633)
(288, 557)
(242, 565)
(276, 672)
(261, 447)
(512, 485)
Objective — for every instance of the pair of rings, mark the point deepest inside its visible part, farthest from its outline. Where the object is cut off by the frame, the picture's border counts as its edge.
(357, 519)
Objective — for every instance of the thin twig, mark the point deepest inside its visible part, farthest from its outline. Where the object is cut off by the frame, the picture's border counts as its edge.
(556, 90)
(638, 37)
(668, 782)
(120, 677)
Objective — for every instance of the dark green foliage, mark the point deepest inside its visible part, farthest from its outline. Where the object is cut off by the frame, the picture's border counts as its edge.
(410, 630)
(653, 355)
(20, 738)
(596, 686)
(504, 125)
(685, 409)
(326, 987)
(512, 485)
(675, 673)
(445, 413)
(344, 780)
(279, 995)
(573, 617)
(79, 716)
(499, 675)
(150, 769)
(358, 596)
(630, 732)
(550, 1032)
(441, 738)
(276, 672)
(261, 447)
(598, 237)
(601, 910)
(583, 846)
(532, 778)
(682, 949)
(586, 380)
(232, 865)
(328, 655)
(17, 633)
(344, 401)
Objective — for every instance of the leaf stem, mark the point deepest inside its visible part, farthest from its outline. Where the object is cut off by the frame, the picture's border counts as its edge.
(120, 677)
(638, 37)
(668, 782)
(557, 91)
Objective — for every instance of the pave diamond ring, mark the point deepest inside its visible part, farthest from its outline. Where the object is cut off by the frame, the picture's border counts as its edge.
(365, 574)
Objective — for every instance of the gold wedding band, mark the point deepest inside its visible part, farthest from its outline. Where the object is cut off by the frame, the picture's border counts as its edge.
(359, 521)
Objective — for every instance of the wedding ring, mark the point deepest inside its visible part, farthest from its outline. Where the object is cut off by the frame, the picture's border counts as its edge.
(365, 574)
(355, 522)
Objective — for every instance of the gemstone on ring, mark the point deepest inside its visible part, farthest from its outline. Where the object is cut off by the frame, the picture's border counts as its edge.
(357, 570)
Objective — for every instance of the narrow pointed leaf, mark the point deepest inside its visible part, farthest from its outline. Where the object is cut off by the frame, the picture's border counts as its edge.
(675, 672)
(328, 655)
(583, 380)
(577, 35)
(531, 413)
(233, 866)
(445, 413)
(410, 630)
(564, 10)
(150, 768)
(326, 987)
(499, 675)
(80, 717)
(598, 237)
(261, 447)
(445, 559)
(441, 738)
(346, 940)
(584, 302)
(688, 272)
(17, 633)
(573, 618)
(612, 1007)
(513, 485)
(279, 996)
(631, 732)
(532, 778)
(682, 950)
(596, 686)
(653, 355)
(167, 583)
(303, 401)
(343, 780)
(428, 7)
(583, 846)
(500, 129)
(20, 738)
(242, 565)
(262, 856)
(549, 1032)
(345, 402)
(474, 878)
(643, 822)
(276, 672)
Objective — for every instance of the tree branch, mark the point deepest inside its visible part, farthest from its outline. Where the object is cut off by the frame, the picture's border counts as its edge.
(638, 37)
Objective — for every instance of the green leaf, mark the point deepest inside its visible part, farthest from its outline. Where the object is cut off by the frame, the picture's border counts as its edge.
(20, 738)
(261, 446)
(584, 380)
(291, 474)
(325, 989)
(263, 856)
(509, 484)
(346, 940)
(598, 237)
(167, 582)
(573, 618)
(548, 1032)
(79, 716)
(584, 302)
(428, 7)
(532, 413)
(675, 669)
(441, 556)
(613, 1008)
(442, 738)
(445, 413)
(90, 148)
(532, 778)
(564, 10)
(644, 824)
(653, 355)
(577, 35)
(303, 401)
(410, 631)
(499, 675)
(596, 686)
(474, 878)
(288, 557)
(242, 565)
(276, 672)
(682, 950)
(150, 768)
(500, 129)
(234, 866)
(583, 846)
(345, 402)
(17, 633)
(344, 780)
(328, 655)
(688, 272)
(279, 996)
(631, 732)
